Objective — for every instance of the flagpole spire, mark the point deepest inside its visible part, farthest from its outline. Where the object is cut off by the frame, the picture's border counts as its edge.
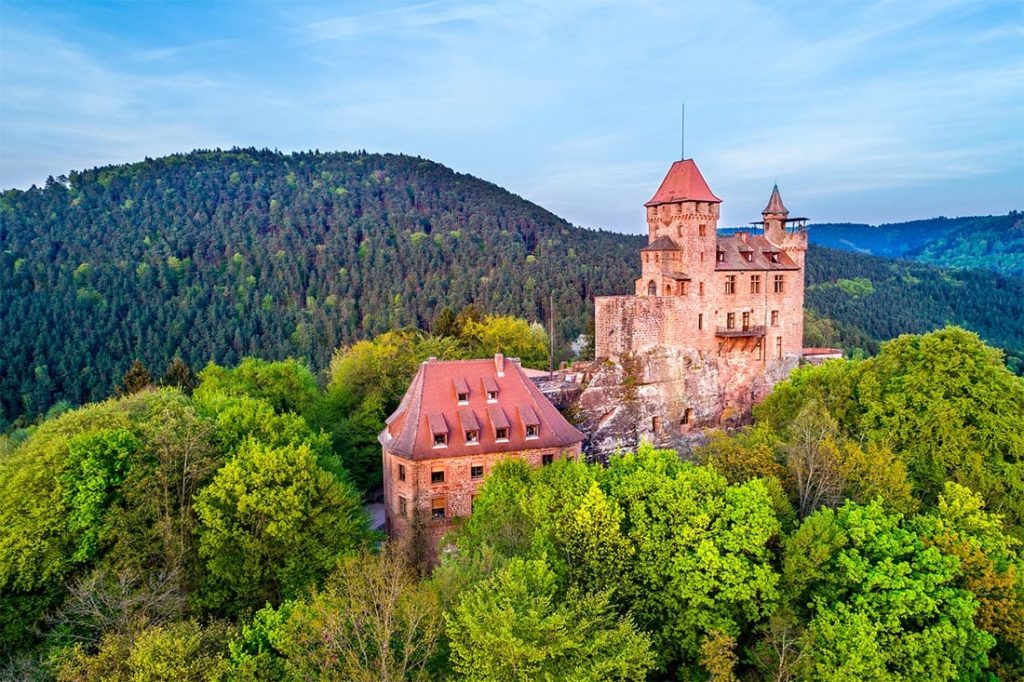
(682, 133)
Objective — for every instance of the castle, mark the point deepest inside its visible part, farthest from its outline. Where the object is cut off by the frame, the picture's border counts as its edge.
(714, 323)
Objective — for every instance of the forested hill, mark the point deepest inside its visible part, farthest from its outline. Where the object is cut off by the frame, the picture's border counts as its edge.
(216, 255)
(989, 242)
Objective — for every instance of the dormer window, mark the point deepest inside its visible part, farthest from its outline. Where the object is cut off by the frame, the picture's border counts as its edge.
(472, 437)
(531, 431)
(749, 255)
(774, 256)
(491, 388)
(531, 424)
(438, 429)
(501, 434)
(462, 391)
(721, 256)
(499, 421)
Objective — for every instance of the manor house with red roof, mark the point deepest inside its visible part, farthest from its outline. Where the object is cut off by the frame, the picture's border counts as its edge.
(456, 421)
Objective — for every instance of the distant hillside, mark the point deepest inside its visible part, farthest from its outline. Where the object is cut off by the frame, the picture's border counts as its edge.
(216, 255)
(988, 242)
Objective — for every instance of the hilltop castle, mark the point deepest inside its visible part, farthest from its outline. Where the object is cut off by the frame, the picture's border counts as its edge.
(714, 323)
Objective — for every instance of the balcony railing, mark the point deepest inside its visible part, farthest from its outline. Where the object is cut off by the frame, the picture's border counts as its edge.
(737, 332)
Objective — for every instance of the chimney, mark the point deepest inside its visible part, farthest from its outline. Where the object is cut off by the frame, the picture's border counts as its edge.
(742, 236)
(499, 364)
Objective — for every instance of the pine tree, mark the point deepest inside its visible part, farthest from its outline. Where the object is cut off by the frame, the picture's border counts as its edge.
(180, 376)
(135, 379)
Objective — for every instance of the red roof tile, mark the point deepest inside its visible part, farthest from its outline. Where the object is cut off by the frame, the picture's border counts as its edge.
(734, 248)
(430, 401)
(683, 183)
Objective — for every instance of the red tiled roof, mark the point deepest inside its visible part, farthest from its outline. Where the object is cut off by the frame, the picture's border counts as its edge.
(430, 401)
(733, 247)
(775, 204)
(683, 183)
(662, 243)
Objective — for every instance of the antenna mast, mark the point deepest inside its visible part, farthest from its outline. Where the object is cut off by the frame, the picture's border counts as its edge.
(682, 134)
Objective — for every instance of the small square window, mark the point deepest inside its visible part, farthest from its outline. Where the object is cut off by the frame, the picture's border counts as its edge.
(476, 471)
(531, 431)
(440, 439)
(472, 437)
(546, 459)
(501, 434)
(492, 396)
(437, 476)
(401, 472)
(403, 506)
(463, 397)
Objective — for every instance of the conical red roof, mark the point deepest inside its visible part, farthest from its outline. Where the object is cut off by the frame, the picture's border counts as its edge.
(683, 183)
(775, 204)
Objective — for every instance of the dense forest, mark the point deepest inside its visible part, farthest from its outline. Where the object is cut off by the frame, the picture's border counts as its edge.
(868, 526)
(214, 255)
(988, 242)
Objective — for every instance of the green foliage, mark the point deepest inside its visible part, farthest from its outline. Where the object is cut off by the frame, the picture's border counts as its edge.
(287, 385)
(509, 335)
(703, 560)
(271, 523)
(943, 403)
(513, 626)
(96, 465)
(180, 376)
(184, 652)
(880, 604)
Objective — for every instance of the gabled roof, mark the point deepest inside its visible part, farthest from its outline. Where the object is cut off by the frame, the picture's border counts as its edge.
(430, 403)
(733, 247)
(662, 243)
(775, 204)
(683, 183)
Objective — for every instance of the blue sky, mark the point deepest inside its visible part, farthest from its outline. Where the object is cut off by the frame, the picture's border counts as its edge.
(862, 111)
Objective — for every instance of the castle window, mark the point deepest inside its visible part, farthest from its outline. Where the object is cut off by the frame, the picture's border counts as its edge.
(656, 424)
(472, 437)
(652, 288)
(656, 257)
(437, 475)
(730, 321)
(501, 434)
(760, 349)
(721, 256)
(463, 397)
(403, 506)
(730, 284)
(684, 288)
(701, 256)
(749, 256)
(476, 472)
(775, 318)
(702, 288)
(668, 289)
(780, 284)
(531, 430)
(778, 347)
(746, 321)
(461, 390)
(440, 440)
(774, 255)
(702, 230)
(755, 284)
(438, 428)
(700, 320)
(687, 417)
(401, 472)
(546, 459)
(437, 508)
(491, 387)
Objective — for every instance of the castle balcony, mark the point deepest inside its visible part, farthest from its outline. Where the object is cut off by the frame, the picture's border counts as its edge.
(754, 331)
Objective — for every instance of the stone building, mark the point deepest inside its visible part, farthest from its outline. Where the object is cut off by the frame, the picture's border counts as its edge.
(714, 323)
(455, 422)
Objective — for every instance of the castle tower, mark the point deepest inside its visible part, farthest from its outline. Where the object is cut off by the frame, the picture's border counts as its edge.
(682, 219)
(787, 233)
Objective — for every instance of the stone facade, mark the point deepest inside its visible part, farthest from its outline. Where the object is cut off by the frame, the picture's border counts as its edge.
(410, 488)
(714, 323)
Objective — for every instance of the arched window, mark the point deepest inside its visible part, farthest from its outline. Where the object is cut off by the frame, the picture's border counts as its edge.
(652, 288)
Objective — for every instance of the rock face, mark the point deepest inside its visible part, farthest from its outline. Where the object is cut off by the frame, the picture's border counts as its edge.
(668, 397)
